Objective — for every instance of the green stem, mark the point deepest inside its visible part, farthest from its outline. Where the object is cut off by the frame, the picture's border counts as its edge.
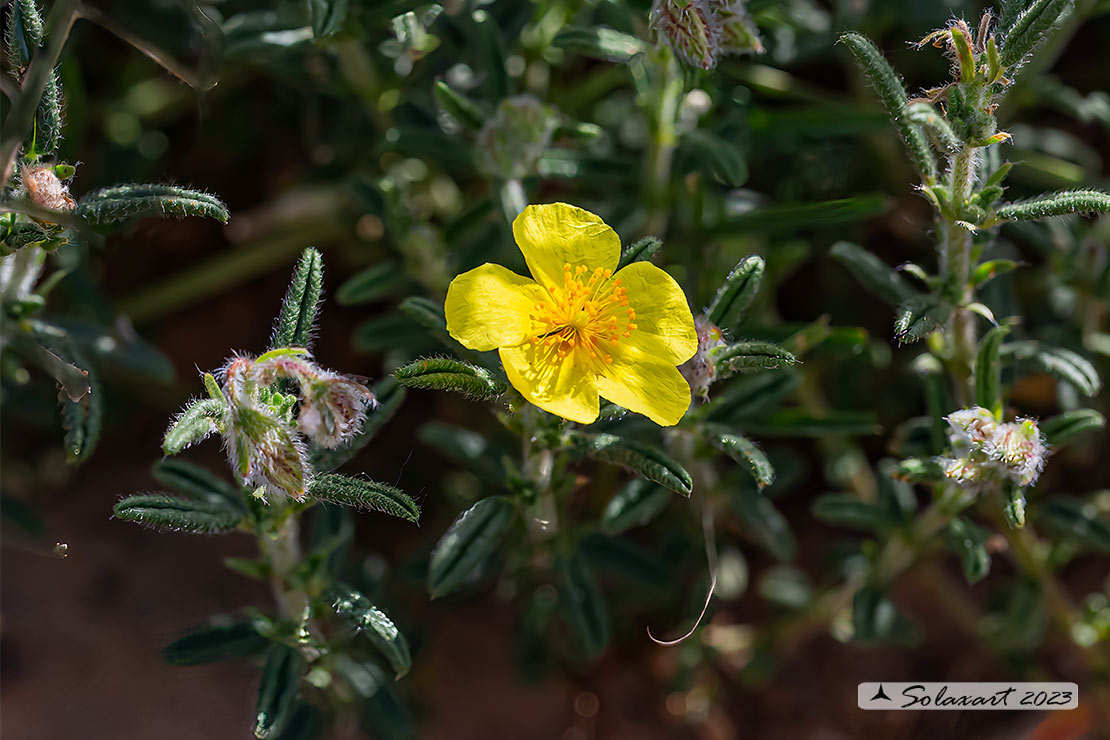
(283, 550)
(660, 154)
(22, 115)
(955, 249)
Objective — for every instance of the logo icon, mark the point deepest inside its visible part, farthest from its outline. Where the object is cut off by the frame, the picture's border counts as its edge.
(880, 694)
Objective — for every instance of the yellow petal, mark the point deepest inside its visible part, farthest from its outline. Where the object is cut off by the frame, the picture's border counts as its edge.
(564, 387)
(556, 234)
(491, 307)
(646, 385)
(664, 325)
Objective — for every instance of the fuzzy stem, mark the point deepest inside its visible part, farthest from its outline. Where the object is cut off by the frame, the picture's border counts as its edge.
(283, 550)
(955, 250)
(660, 154)
(22, 115)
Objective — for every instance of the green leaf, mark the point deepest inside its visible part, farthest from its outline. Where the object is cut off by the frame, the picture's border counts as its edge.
(584, 604)
(1061, 429)
(991, 269)
(967, 540)
(1056, 204)
(752, 394)
(720, 157)
(787, 587)
(179, 515)
(82, 421)
(125, 202)
(277, 691)
(599, 43)
(875, 620)
(1060, 363)
(743, 451)
(1013, 507)
(467, 112)
(471, 539)
(359, 493)
(763, 522)
(294, 324)
(23, 33)
(446, 374)
(1030, 28)
(846, 510)
(326, 16)
(737, 292)
(359, 614)
(213, 644)
(792, 217)
(384, 716)
(988, 371)
(801, 423)
(193, 425)
(491, 46)
(892, 94)
(371, 284)
(639, 251)
(920, 316)
(873, 273)
(636, 504)
(743, 357)
(1077, 521)
(639, 458)
(196, 482)
(920, 470)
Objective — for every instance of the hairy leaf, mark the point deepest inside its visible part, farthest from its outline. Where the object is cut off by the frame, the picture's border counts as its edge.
(124, 202)
(364, 494)
(446, 374)
(881, 280)
(277, 691)
(213, 644)
(164, 512)
(743, 451)
(359, 614)
(737, 292)
(193, 425)
(645, 461)
(294, 325)
(988, 371)
(639, 251)
(750, 357)
(1061, 429)
(637, 503)
(471, 539)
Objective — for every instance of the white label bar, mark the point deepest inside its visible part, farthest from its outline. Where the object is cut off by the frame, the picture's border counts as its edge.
(891, 695)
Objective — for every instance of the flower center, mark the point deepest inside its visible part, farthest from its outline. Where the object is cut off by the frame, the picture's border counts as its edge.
(589, 312)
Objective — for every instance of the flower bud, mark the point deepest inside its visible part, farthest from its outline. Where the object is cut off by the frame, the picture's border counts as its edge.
(44, 188)
(690, 28)
(701, 369)
(739, 34)
(513, 140)
(333, 410)
(988, 450)
(1019, 447)
(265, 452)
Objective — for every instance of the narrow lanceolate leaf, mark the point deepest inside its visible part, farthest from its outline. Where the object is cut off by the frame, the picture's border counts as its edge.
(196, 482)
(991, 269)
(718, 156)
(642, 460)
(193, 425)
(920, 316)
(1059, 430)
(446, 374)
(744, 357)
(873, 273)
(988, 371)
(23, 33)
(213, 644)
(639, 502)
(1077, 521)
(600, 43)
(467, 112)
(639, 251)
(919, 470)
(892, 94)
(1062, 364)
(1030, 28)
(364, 494)
(124, 202)
(359, 614)
(737, 292)
(277, 691)
(763, 522)
(160, 511)
(1056, 204)
(302, 300)
(935, 125)
(743, 451)
(82, 421)
(967, 540)
(371, 284)
(584, 603)
(846, 510)
(471, 539)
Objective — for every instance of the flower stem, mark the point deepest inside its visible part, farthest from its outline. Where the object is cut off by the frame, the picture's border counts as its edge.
(660, 154)
(283, 550)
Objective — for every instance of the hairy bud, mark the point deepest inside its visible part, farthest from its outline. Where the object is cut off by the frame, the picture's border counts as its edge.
(691, 29)
(701, 369)
(985, 449)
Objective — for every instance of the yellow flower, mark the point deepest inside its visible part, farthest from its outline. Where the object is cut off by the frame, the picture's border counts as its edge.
(577, 330)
